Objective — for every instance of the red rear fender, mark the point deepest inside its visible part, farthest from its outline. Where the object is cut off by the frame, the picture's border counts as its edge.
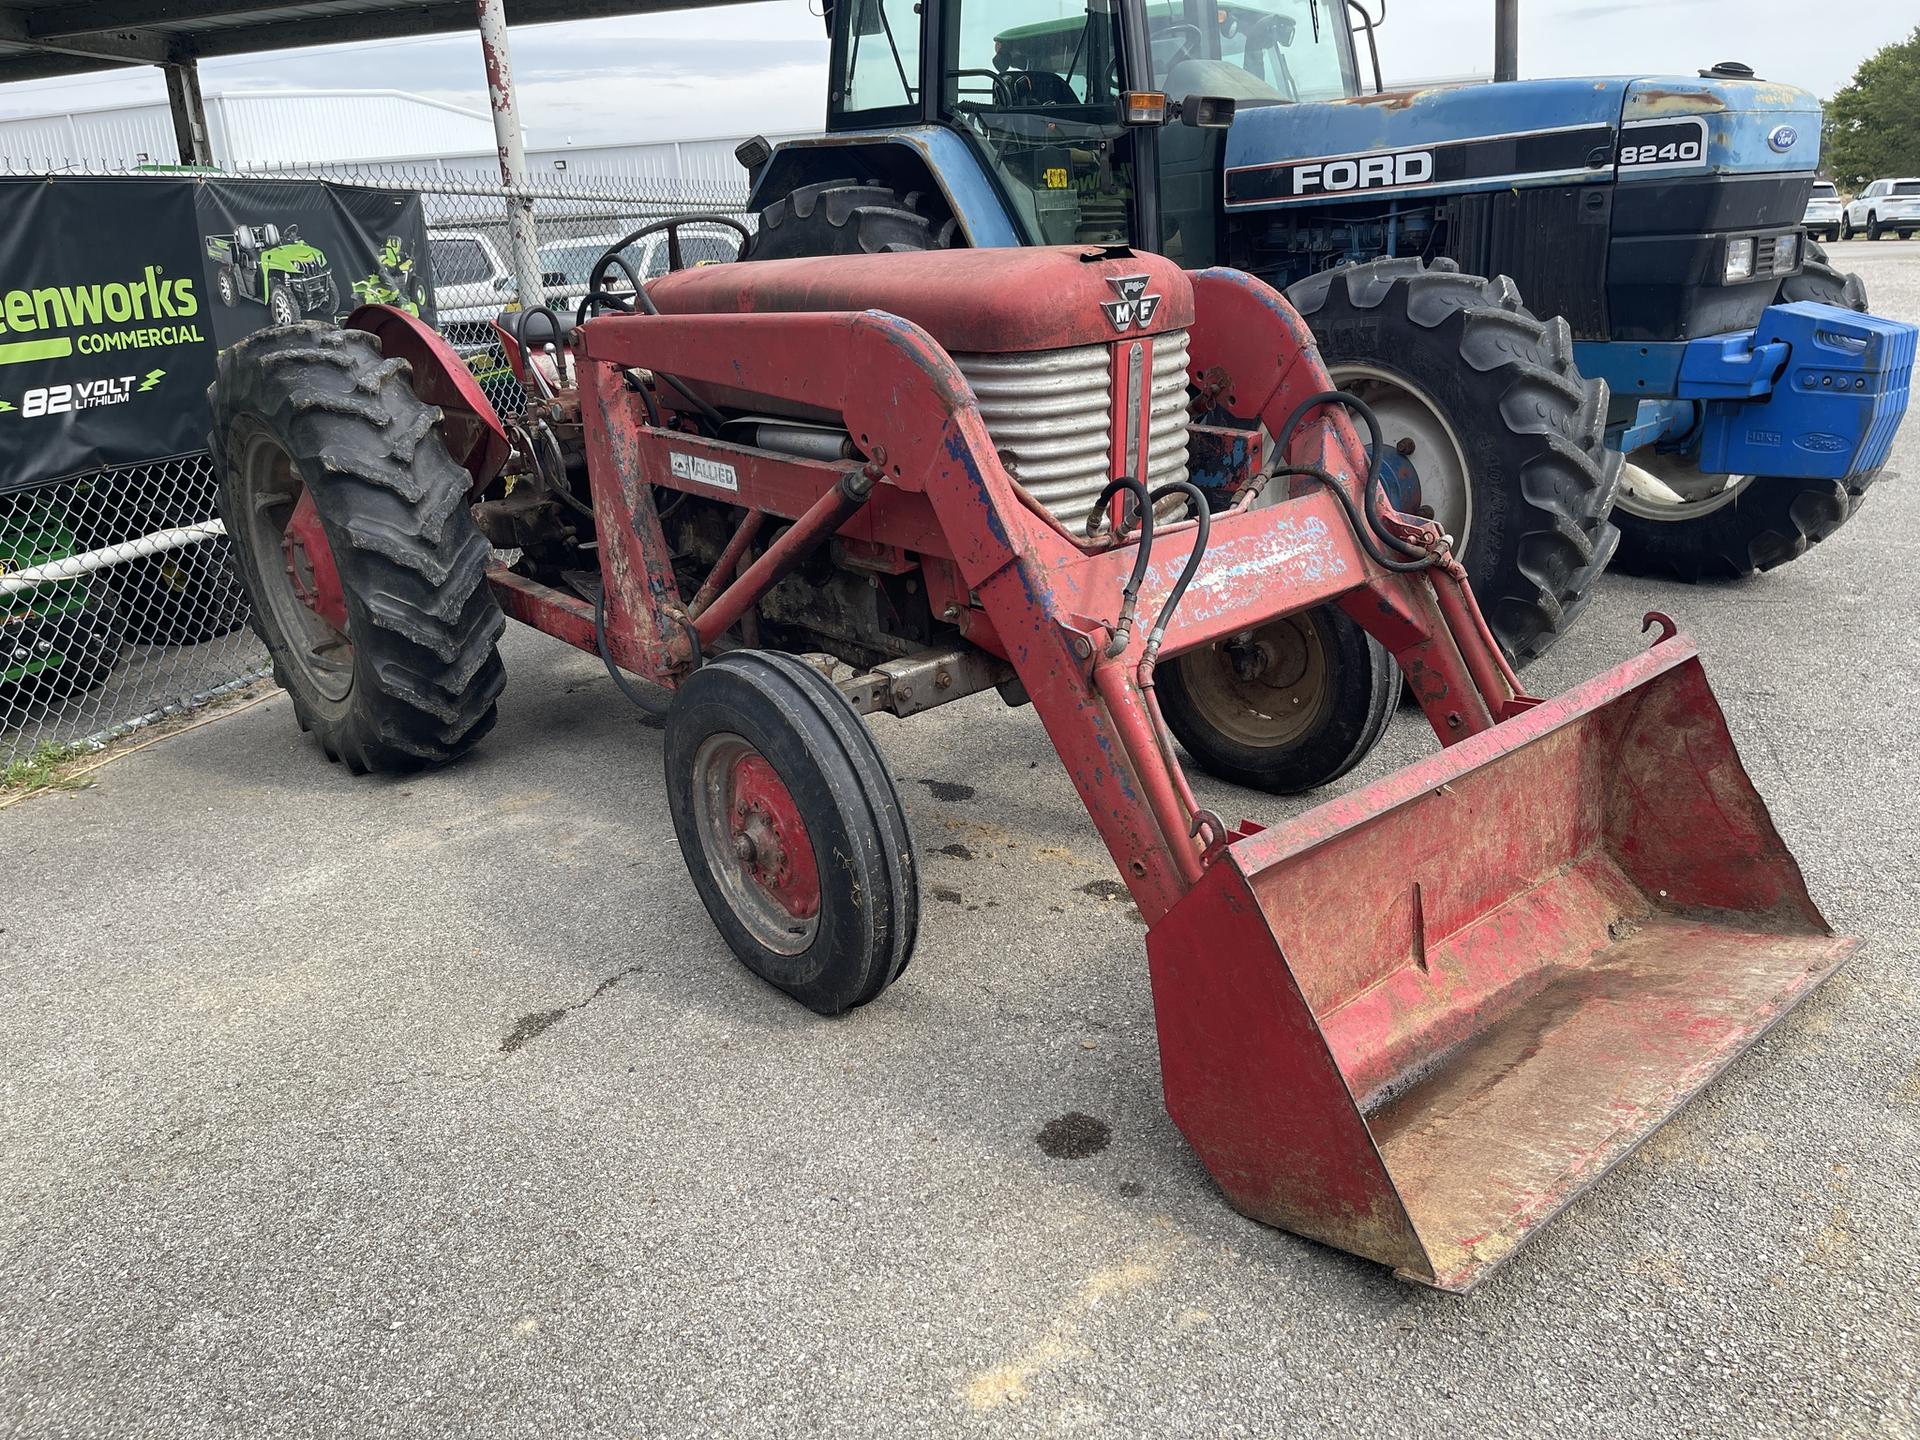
(475, 437)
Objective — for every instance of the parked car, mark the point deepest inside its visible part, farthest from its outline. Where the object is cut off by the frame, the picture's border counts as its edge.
(1885, 206)
(1823, 211)
(467, 271)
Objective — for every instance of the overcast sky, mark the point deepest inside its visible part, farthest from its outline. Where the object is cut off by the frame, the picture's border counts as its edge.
(737, 69)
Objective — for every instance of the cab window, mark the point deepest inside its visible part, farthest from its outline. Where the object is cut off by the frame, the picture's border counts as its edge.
(1278, 50)
(879, 67)
(1036, 87)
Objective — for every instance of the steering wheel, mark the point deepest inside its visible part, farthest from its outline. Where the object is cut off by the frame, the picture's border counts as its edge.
(998, 79)
(1190, 41)
(597, 277)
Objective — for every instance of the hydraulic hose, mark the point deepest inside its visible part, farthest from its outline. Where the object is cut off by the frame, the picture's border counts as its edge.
(1375, 484)
(1142, 554)
(652, 706)
(1196, 507)
(1202, 823)
(1360, 529)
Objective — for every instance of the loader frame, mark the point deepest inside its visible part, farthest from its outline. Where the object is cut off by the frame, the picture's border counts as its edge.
(1018, 586)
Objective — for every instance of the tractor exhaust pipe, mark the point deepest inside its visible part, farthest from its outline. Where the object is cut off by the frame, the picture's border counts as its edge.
(1506, 40)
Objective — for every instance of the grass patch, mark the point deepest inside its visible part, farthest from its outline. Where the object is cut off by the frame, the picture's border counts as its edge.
(45, 768)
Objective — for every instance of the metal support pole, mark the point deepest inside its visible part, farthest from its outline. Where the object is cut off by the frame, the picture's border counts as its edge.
(1506, 39)
(524, 242)
(189, 113)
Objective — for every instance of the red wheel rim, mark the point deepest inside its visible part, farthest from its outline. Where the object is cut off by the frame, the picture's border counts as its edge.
(287, 547)
(756, 844)
(310, 567)
(770, 839)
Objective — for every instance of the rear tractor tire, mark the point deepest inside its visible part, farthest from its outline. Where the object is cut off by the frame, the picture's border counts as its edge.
(351, 531)
(791, 828)
(1506, 438)
(851, 217)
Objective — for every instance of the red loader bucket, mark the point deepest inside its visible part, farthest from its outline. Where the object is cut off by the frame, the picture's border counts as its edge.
(1415, 1021)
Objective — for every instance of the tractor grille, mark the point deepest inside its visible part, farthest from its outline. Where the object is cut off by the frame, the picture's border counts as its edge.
(1047, 412)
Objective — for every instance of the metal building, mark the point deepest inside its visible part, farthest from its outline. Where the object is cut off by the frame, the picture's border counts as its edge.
(254, 129)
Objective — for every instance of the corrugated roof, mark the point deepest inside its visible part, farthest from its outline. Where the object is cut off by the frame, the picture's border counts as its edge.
(40, 38)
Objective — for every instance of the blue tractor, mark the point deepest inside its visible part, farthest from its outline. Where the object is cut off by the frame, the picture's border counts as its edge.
(1658, 221)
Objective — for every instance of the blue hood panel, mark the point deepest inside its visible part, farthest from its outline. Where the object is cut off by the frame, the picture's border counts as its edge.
(1454, 138)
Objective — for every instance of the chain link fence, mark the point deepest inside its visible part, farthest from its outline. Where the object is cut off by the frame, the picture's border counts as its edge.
(118, 599)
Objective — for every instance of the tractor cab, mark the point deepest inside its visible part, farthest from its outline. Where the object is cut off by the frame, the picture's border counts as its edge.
(1067, 103)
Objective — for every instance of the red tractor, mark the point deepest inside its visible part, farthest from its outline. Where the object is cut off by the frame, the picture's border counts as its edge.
(1410, 1023)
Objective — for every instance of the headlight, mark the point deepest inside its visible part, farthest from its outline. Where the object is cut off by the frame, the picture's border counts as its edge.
(1786, 253)
(1739, 260)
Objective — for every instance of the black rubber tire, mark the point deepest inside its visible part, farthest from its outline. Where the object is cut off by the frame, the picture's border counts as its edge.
(1818, 279)
(1533, 427)
(90, 640)
(422, 620)
(227, 287)
(1365, 686)
(184, 597)
(1775, 518)
(282, 308)
(870, 893)
(1874, 230)
(851, 217)
(330, 301)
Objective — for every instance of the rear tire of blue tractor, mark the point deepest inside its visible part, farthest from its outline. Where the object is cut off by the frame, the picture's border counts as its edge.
(1513, 437)
(1675, 522)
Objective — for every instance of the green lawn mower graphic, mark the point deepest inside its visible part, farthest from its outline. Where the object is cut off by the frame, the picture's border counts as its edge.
(276, 269)
(396, 283)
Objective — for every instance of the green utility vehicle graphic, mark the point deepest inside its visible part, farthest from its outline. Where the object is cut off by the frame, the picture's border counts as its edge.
(276, 269)
(57, 637)
(397, 283)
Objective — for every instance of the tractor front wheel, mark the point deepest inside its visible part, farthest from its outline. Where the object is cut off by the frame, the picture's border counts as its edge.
(792, 829)
(350, 527)
(1285, 708)
(1675, 521)
(1499, 438)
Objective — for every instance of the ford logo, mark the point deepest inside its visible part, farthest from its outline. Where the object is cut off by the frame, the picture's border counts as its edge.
(1822, 443)
(1782, 137)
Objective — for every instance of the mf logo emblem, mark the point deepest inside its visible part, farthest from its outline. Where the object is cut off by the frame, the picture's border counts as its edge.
(1135, 308)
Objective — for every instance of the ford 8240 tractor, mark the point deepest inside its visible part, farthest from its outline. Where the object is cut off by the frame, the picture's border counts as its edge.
(1659, 217)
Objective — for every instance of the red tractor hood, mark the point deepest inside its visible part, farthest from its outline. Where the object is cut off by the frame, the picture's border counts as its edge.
(968, 300)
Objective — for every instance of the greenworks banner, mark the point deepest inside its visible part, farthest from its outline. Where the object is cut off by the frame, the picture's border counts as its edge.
(105, 349)
(278, 251)
(116, 295)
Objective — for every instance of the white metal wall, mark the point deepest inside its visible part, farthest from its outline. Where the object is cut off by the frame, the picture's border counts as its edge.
(266, 129)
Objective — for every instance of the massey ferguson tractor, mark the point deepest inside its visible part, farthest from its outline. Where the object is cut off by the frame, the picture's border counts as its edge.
(774, 497)
(1658, 217)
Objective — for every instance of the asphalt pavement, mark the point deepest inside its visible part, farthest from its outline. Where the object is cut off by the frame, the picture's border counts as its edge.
(435, 1106)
